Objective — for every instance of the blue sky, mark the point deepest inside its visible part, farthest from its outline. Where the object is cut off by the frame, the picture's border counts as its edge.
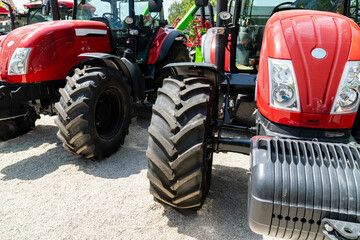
(166, 4)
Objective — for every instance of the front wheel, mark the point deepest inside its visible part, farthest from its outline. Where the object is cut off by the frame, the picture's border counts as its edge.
(15, 127)
(179, 161)
(94, 112)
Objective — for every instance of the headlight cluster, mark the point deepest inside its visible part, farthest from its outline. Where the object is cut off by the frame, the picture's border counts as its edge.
(284, 92)
(19, 61)
(347, 96)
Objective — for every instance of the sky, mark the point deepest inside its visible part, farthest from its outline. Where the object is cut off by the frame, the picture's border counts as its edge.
(166, 5)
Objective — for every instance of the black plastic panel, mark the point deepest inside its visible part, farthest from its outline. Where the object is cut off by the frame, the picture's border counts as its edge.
(295, 184)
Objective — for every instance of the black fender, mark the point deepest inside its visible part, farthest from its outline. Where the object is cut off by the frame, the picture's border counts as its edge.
(130, 69)
(207, 70)
(175, 35)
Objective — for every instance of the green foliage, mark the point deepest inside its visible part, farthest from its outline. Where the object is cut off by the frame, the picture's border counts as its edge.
(180, 8)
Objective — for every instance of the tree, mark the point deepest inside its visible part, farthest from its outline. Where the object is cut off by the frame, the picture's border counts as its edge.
(179, 9)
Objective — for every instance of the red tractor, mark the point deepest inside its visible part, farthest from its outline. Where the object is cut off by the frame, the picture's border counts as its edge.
(37, 11)
(283, 85)
(87, 70)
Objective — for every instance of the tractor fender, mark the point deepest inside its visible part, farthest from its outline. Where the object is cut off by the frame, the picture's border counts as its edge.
(207, 70)
(162, 42)
(130, 69)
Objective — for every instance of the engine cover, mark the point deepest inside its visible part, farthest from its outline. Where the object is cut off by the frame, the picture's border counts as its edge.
(297, 35)
(295, 185)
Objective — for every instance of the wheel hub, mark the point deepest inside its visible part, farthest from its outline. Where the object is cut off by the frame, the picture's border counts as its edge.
(108, 113)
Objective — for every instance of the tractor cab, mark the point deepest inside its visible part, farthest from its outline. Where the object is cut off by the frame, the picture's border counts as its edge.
(6, 19)
(254, 16)
(130, 23)
(36, 12)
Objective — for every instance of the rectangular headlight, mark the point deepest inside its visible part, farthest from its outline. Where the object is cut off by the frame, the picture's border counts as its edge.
(19, 61)
(347, 95)
(284, 93)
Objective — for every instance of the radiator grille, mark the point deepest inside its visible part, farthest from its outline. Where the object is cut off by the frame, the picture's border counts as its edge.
(309, 181)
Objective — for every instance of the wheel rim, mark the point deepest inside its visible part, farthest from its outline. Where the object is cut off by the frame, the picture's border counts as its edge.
(109, 113)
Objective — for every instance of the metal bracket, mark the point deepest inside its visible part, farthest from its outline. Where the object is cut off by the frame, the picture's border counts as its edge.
(336, 229)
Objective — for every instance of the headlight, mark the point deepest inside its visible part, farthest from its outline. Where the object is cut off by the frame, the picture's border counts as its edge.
(224, 15)
(19, 61)
(129, 20)
(347, 96)
(284, 92)
(133, 32)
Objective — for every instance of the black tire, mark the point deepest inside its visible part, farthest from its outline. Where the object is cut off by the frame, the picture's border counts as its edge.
(179, 162)
(177, 53)
(94, 112)
(15, 127)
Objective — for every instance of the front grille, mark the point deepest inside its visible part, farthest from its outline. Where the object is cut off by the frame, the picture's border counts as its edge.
(303, 182)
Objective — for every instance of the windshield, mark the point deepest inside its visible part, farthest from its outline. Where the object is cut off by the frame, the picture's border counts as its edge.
(255, 14)
(140, 8)
(34, 15)
(92, 9)
(266, 7)
(5, 24)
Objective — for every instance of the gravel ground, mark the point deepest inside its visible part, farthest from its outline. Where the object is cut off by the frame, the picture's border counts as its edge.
(48, 193)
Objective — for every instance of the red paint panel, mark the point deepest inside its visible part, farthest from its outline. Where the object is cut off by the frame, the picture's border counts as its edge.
(213, 49)
(227, 56)
(55, 49)
(297, 119)
(275, 40)
(303, 34)
(317, 79)
(158, 42)
(355, 43)
(38, 4)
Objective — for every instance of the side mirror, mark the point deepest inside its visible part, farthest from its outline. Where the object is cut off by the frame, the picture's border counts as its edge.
(63, 8)
(155, 5)
(201, 3)
(46, 8)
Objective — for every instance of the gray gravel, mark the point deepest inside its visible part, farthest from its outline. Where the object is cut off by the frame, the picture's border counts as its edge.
(48, 193)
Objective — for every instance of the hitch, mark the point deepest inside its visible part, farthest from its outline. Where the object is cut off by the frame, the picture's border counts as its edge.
(336, 229)
(240, 142)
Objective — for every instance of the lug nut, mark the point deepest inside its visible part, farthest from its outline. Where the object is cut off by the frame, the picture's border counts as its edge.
(328, 227)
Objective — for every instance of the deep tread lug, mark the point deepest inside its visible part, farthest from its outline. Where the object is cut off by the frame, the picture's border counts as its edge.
(171, 96)
(171, 121)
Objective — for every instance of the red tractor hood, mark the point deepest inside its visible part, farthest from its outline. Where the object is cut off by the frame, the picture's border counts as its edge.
(51, 42)
(294, 35)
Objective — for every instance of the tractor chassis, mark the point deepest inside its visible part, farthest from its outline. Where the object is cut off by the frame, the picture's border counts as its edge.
(316, 208)
(39, 95)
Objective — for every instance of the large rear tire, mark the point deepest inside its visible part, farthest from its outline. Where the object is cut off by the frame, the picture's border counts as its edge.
(94, 112)
(15, 127)
(179, 162)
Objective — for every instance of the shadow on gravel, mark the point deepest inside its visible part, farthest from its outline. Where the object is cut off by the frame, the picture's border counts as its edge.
(36, 137)
(224, 210)
(129, 159)
(37, 166)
